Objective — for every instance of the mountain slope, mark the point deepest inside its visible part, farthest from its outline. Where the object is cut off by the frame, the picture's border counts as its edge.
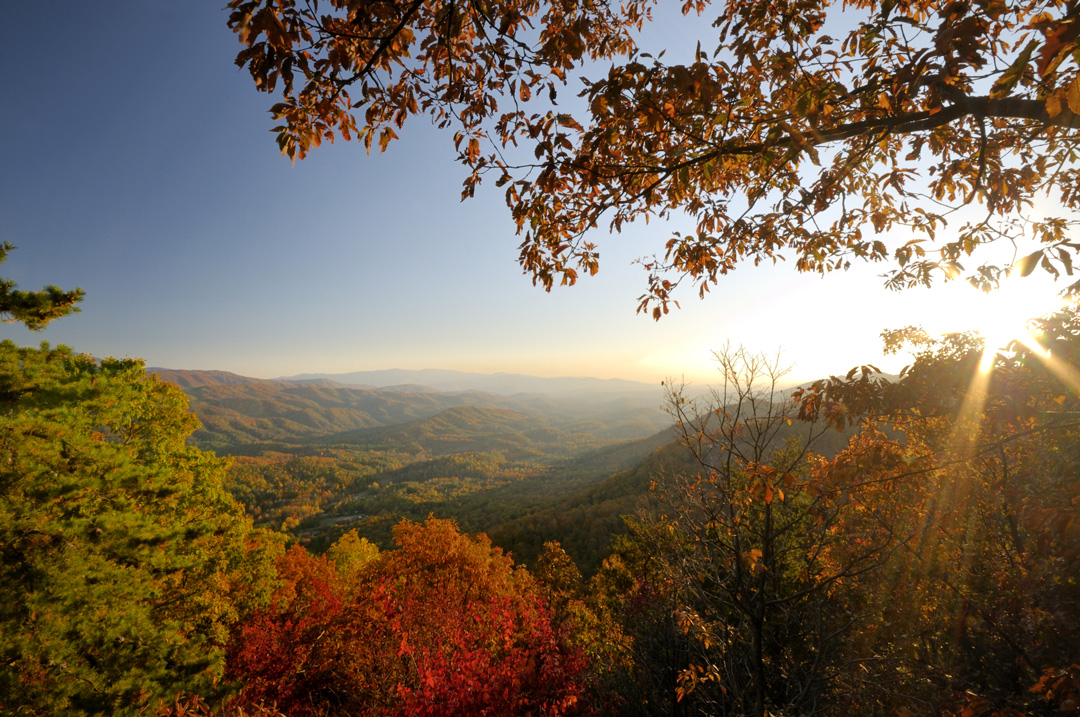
(238, 411)
(470, 429)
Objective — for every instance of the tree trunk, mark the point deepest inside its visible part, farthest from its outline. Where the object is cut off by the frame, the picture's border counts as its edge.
(759, 665)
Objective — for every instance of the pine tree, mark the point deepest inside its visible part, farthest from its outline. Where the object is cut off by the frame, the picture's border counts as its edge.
(122, 559)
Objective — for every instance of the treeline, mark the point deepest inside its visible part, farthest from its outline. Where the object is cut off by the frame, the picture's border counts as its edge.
(931, 565)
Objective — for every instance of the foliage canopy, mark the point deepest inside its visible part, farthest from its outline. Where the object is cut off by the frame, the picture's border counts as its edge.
(123, 561)
(34, 308)
(813, 132)
(444, 625)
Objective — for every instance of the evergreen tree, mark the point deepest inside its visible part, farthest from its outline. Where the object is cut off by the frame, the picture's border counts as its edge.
(122, 559)
(34, 308)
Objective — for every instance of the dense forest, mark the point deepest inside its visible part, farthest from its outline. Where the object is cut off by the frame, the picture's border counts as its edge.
(863, 545)
(317, 460)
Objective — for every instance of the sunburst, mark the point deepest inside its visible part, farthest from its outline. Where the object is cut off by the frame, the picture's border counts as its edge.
(1003, 317)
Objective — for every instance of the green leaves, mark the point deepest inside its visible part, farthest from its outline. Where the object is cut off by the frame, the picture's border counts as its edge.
(34, 308)
(124, 559)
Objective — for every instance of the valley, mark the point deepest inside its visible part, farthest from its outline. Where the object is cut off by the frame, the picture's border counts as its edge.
(318, 456)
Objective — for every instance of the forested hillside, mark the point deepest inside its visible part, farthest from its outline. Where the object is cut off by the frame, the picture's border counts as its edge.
(317, 458)
(866, 544)
(875, 545)
(237, 410)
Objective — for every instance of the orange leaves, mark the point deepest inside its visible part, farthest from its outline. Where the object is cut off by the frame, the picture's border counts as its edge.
(444, 625)
(1061, 40)
(1060, 687)
(771, 492)
(1063, 104)
(405, 57)
(776, 143)
(752, 558)
(565, 120)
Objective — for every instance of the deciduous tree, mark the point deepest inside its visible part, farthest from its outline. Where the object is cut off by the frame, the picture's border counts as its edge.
(814, 131)
(977, 614)
(759, 545)
(445, 625)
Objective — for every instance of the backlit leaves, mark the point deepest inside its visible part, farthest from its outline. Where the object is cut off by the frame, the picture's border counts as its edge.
(816, 132)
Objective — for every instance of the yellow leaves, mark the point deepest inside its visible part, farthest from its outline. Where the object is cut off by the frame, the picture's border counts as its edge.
(1072, 96)
(1026, 265)
(1064, 98)
(1009, 79)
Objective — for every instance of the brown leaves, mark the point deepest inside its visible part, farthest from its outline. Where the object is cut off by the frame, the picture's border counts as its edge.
(784, 144)
(1062, 36)
(1008, 81)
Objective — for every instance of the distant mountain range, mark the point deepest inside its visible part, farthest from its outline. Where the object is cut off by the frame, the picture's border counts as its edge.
(506, 384)
(523, 458)
(238, 411)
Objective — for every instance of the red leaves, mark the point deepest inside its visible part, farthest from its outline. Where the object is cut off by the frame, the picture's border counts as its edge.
(443, 626)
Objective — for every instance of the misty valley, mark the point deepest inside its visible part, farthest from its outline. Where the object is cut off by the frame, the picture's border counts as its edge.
(317, 457)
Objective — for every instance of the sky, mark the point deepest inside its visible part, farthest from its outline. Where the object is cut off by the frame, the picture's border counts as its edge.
(138, 165)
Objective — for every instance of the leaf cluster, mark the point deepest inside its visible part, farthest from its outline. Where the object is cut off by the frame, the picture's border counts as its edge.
(34, 309)
(911, 133)
(123, 561)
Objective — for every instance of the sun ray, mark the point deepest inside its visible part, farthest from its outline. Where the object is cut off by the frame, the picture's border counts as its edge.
(1003, 318)
(965, 432)
(1067, 373)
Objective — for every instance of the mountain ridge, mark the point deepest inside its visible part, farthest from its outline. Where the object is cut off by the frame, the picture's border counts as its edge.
(499, 382)
(238, 410)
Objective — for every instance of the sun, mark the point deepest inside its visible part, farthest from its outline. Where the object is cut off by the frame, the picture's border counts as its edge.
(1003, 316)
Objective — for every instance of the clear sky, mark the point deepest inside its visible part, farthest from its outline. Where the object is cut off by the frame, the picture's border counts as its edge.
(137, 164)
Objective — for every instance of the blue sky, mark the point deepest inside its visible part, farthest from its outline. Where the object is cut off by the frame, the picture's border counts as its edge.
(138, 165)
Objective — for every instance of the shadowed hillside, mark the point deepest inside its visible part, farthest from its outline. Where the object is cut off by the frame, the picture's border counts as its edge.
(470, 429)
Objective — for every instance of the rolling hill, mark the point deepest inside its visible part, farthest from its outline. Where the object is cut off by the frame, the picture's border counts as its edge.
(238, 411)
